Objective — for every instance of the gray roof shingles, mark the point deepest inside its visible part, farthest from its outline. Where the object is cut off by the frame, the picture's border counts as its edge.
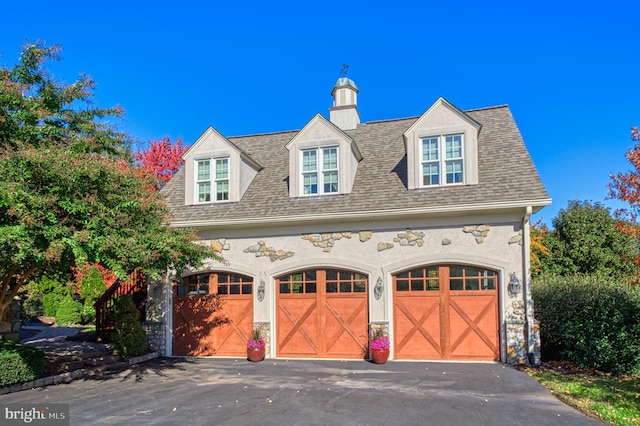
(506, 174)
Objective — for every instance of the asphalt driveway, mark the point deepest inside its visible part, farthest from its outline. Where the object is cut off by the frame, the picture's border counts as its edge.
(208, 391)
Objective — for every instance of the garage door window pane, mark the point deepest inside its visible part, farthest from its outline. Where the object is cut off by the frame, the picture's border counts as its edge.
(223, 289)
(247, 288)
(455, 271)
(402, 285)
(234, 289)
(417, 285)
(359, 287)
(310, 288)
(345, 287)
(488, 284)
(284, 288)
(472, 284)
(332, 287)
(456, 285)
(433, 285)
(332, 275)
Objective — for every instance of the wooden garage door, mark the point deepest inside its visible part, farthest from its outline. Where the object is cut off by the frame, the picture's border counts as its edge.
(446, 312)
(322, 313)
(212, 315)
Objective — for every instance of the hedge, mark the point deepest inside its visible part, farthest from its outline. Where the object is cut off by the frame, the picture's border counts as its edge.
(19, 363)
(592, 321)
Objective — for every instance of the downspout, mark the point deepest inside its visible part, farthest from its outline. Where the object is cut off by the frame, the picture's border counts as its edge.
(526, 288)
(168, 312)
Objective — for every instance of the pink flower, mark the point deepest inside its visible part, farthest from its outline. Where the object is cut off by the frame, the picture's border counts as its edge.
(256, 344)
(379, 343)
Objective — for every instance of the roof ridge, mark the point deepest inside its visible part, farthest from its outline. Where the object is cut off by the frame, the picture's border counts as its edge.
(264, 134)
(489, 107)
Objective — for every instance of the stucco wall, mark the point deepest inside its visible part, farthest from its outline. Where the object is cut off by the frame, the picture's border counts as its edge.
(378, 250)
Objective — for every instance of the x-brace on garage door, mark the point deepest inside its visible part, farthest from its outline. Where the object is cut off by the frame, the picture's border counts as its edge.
(446, 312)
(322, 313)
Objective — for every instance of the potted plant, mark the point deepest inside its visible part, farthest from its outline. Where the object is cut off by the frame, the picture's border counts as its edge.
(255, 346)
(379, 347)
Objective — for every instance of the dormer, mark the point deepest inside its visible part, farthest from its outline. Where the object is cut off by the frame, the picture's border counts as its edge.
(216, 170)
(322, 160)
(442, 148)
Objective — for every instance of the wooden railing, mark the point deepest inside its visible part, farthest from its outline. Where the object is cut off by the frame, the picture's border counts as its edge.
(104, 305)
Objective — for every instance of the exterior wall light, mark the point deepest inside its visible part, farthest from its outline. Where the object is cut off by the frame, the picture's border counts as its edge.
(514, 286)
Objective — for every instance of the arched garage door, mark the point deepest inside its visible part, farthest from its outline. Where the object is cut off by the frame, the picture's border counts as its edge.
(205, 324)
(322, 313)
(446, 312)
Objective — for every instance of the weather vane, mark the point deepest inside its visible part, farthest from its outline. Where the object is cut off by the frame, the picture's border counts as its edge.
(344, 70)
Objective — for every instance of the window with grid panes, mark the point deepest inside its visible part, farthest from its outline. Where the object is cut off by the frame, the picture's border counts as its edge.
(320, 171)
(212, 180)
(442, 160)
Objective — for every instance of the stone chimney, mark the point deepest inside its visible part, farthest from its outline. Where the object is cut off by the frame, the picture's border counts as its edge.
(344, 112)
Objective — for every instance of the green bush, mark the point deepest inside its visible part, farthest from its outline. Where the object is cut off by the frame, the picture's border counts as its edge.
(32, 307)
(51, 302)
(69, 312)
(129, 338)
(590, 321)
(19, 363)
(88, 314)
(92, 286)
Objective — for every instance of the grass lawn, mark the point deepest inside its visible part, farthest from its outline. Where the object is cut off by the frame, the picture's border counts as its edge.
(612, 400)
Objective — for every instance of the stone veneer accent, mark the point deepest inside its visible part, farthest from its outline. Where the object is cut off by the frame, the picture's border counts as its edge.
(156, 338)
(10, 327)
(517, 344)
(326, 241)
(365, 236)
(410, 238)
(517, 239)
(261, 249)
(384, 246)
(375, 326)
(265, 332)
(219, 245)
(478, 231)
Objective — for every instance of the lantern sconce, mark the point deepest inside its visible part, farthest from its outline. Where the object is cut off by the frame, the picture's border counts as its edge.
(261, 288)
(514, 286)
(378, 289)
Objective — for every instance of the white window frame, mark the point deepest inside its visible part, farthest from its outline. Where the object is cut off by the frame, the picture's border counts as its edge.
(320, 172)
(213, 181)
(441, 161)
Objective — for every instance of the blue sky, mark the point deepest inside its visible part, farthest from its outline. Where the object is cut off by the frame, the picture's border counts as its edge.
(568, 70)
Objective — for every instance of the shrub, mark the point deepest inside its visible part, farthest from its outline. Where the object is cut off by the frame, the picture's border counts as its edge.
(69, 311)
(129, 338)
(19, 363)
(590, 321)
(88, 314)
(32, 307)
(92, 286)
(51, 302)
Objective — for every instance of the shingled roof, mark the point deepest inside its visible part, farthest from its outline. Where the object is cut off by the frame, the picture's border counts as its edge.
(507, 177)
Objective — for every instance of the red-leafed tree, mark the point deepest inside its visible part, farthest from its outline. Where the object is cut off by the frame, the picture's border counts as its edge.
(626, 186)
(162, 159)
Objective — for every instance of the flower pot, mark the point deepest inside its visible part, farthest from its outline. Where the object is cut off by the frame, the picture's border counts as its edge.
(255, 355)
(379, 357)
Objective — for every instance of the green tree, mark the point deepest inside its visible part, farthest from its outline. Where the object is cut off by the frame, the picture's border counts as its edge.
(69, 192)
(586, 239)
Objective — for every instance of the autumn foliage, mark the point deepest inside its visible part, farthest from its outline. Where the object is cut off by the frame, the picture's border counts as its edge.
(162, 159)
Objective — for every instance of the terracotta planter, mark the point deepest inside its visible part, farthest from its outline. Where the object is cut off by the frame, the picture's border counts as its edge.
(255, 355)
(379, 357)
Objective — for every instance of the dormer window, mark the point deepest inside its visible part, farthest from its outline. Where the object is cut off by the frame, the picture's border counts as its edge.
(442, 153)
(442, 148)
(212, 180)
(319, 171)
